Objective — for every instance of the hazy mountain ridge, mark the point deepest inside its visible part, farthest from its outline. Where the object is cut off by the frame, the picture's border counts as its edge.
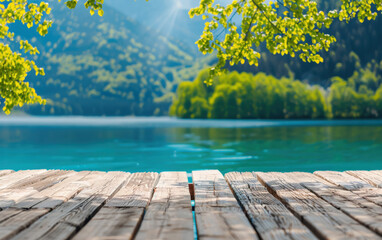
(107, 66)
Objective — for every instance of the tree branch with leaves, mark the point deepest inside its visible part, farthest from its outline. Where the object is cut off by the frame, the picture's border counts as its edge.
(15, 66)
(288, 27)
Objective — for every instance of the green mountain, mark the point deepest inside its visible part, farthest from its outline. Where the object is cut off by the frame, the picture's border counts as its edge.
(107, 66)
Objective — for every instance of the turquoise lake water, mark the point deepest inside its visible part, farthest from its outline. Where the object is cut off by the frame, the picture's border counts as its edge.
(164, 144)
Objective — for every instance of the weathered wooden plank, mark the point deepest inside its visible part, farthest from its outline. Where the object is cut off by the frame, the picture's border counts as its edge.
(20, 221)
(353, 184)
(357, 207)
(9, 197)
(41, 181)
(371, 177)
(122, 215)
(5, 172)
(63, 221)
(377, 172)
(343, 179)
(112, 223)
(58, 193)
(8, 213)
(62, 230)
(271, 219)
(30, 185)
(10, 179)
(321, 217)
(169, 215)
(217, 212)
(137, 192)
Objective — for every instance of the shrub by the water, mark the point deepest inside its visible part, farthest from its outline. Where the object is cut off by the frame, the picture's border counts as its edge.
(246, 96)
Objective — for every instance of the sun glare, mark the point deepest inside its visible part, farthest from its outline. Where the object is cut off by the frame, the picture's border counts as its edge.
(178, 4)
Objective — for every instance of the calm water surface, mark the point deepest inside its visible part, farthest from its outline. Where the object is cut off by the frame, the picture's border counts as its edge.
(163, 144)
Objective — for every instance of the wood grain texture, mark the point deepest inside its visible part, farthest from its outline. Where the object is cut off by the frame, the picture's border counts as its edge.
(58, 193)
(355, 185)
(372, 177)
(137, 192)
(29, 186)
(7, 213)
(8, 180)
(19, 221)
(217, 212)
(112, 223)
(321, 217)
(63, 221)
(169, 215)
(357, 207)
(342, 179)
(9, 197)
(271, 219)
(122, 214)
(42, 180)
(5, 172)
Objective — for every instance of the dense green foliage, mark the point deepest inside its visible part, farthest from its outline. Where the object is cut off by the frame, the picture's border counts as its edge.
(286, 27)
(246, 96)
(360, 96)
(15, 65)
(107, 66)
(357, 44)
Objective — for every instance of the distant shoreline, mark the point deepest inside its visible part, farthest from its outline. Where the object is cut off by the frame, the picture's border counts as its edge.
(169, 122)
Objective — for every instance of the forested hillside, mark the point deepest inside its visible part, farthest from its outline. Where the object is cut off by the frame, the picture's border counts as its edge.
(107, 66)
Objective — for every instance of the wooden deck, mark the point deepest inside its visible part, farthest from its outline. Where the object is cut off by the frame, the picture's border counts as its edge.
(55, 204)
